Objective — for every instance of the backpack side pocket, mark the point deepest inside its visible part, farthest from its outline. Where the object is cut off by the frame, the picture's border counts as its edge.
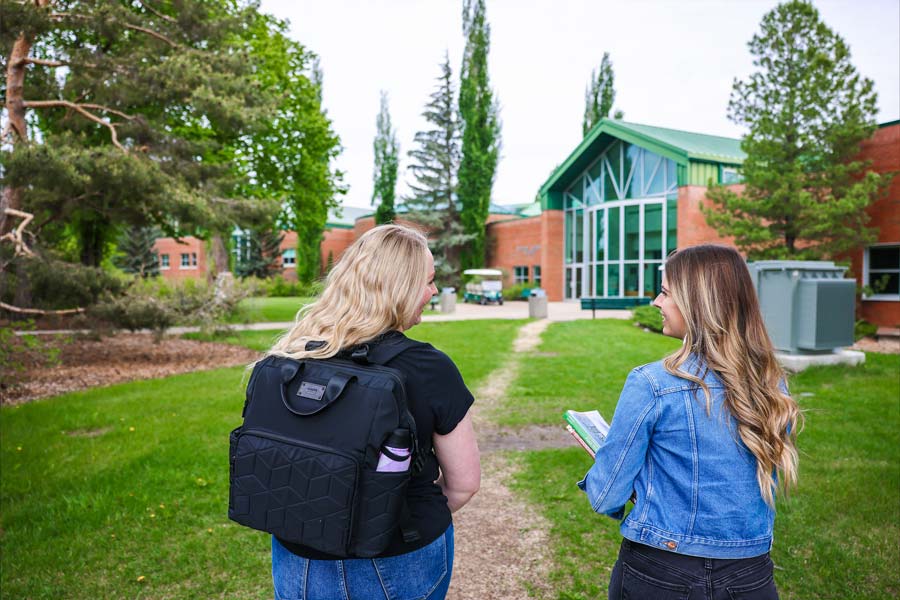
(382, 497)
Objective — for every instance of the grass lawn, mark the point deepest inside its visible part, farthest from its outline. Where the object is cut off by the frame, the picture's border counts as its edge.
(836, 538)
(580, 365)
(268, 310)
(121, 492)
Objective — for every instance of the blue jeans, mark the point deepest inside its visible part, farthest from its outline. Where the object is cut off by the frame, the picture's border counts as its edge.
(647, 573)
(422, 574)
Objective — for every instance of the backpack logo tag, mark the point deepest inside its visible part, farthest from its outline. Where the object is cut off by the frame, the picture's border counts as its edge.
(313, 391)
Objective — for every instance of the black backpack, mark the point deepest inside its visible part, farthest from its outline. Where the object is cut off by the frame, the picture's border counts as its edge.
(303, 462)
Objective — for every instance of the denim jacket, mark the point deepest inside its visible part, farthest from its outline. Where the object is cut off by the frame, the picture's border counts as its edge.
(693, 479)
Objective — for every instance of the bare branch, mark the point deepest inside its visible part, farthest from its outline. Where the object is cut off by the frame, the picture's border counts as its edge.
(37, 311)
(79, 108)
(46, 63)
(15, 236)
(107, 109)
(152, 33)
(157, 13)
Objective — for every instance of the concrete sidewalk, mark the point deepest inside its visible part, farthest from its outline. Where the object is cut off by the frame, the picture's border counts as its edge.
(556, 311)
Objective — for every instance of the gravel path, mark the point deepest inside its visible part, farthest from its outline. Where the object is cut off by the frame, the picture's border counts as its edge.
(501, 541)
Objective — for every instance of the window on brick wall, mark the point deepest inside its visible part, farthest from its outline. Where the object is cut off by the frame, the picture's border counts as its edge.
(289, 258)
(536, 275)
(163, 261)
(521, 274)
(193, 259)
(881, 272)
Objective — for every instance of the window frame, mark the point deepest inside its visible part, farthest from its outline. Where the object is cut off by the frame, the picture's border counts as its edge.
(868, 271)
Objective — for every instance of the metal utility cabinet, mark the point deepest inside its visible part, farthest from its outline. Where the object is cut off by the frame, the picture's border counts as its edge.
(808, 306)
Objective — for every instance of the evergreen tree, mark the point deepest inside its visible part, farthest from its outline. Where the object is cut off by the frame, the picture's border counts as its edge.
(600, 96)
(137, 255)
(387, 162)
(435, 164)
(117, 113)
(807, 109)
(260, 256)
(480, 119)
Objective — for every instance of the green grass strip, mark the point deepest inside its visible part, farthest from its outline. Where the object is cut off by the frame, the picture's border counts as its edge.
(835, 538)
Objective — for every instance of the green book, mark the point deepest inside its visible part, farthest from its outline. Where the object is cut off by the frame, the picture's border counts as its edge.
(589, 427)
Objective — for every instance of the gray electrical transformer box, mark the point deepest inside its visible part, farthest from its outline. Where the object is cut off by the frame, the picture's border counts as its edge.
(808, 306)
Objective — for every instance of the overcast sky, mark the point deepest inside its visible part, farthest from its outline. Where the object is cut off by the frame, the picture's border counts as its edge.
(674, 63)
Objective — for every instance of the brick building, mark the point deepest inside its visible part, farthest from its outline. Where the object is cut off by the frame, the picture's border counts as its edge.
(625, 197)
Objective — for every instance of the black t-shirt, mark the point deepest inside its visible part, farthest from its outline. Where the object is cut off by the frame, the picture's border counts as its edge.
(438, 400)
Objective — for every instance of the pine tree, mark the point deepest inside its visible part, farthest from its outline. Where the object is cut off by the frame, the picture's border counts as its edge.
(600, 96)
(479, 114)
(261, 256)
(137, 255)
(387, 162)
(807, 109)
(435, 165)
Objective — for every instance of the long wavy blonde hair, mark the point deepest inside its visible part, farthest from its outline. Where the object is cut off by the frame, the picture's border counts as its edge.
(712, 288)
(375, 287)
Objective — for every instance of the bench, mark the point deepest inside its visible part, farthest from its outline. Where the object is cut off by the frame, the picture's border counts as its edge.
(594, 304)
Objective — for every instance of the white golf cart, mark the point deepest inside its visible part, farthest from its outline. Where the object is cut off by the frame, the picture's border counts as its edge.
(487, 286)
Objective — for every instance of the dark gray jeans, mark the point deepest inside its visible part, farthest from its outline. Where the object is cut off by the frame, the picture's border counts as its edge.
(647, 573)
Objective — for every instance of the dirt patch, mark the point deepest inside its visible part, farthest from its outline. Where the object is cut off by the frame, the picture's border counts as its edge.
(531, 437)
(85, 363)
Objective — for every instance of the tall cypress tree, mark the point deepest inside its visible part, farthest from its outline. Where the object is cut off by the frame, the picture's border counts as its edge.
(387, 161)
(807, 109)
(435, 165)
(600, 95)
(481, 132)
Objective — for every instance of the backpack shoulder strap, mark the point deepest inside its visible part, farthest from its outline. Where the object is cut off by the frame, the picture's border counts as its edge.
(384, 350)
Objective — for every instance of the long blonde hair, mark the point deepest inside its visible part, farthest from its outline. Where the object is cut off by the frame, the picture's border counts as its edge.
(712, 288)
(375, 287)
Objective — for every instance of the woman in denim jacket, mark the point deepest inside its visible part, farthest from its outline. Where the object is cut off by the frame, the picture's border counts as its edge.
(700, 441)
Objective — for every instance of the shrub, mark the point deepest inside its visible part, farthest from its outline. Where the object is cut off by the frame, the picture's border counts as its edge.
(647, 316)
(279, 287)
(17, 351)
(57, 284)
(158, 305)
(863, 329)
(514, 292)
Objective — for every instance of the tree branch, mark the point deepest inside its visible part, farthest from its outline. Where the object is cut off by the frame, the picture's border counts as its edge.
(152, 33)
(44, 62)
(37, 311)
(149, 32)
(15, 236)
(157, 13)
(79, 108)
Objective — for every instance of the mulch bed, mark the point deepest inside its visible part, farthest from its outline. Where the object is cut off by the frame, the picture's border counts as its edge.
(83, 363)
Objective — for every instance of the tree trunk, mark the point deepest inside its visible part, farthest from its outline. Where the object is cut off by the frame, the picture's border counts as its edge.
(219, 255)
(15, 111)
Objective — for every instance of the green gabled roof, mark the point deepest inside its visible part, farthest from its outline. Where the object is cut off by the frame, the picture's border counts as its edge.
(699, 146)
(681, 146)
(344, 217)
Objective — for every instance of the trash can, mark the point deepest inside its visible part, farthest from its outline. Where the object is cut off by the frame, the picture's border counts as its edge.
(448, 300)
(808, 306)
(537, 304)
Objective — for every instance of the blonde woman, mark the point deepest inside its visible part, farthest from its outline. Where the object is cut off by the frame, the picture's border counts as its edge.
(701, 439)
(377, 291)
